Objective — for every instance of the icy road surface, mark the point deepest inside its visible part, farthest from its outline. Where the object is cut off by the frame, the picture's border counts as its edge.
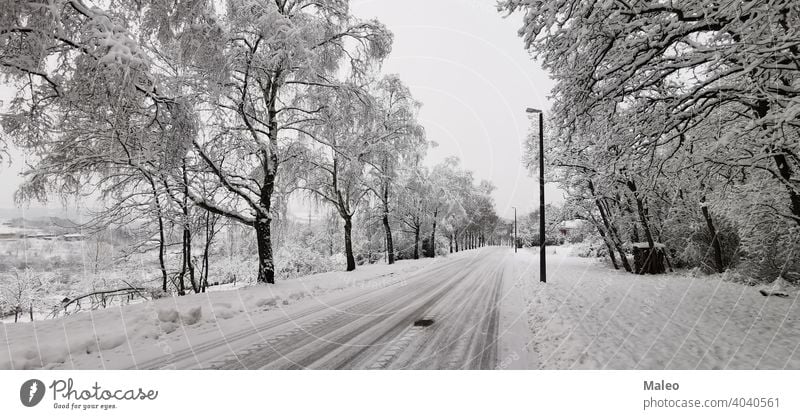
(455, 305)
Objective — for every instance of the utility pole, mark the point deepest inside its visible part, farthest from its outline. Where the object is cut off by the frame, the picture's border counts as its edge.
(542, 254)
(515, 229)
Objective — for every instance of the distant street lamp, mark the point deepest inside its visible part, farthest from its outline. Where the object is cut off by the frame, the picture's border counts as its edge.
(542, 261)
(515, 229)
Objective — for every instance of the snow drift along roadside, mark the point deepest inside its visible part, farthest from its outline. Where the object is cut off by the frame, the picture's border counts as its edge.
(123, 337)
(589, 316)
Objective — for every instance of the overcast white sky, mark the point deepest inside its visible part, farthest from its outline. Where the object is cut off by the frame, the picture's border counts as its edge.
(467, 66)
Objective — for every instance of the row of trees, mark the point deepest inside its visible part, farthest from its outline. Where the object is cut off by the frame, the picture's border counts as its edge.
(185, 119)
(677, 123)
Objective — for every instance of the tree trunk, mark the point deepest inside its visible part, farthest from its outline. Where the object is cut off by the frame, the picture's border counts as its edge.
(607, 242)
(652, 260)
(187, 233)
(187, 255)
(629, 209)
(786, 173)
(348, 244)
(455, 239)
(266, 264)
(451, 243)
(161, 240)
(182, 275)
(416, 242)
(206, 251)
(389, 241)
(386, 226)
(714, 238)
(784, 169)
(187, 258)
(266, 267)
(433, 235)
(615, 238)
(612, 231)
(642, 214)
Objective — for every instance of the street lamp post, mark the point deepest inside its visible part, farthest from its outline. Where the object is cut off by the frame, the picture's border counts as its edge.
(542, 254)
(515, 229)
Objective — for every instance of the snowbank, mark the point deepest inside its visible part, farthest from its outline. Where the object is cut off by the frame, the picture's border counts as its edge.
(125, 337)
(589, 316)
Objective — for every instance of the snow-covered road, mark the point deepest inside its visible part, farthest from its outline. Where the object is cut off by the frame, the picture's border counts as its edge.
(376, 328)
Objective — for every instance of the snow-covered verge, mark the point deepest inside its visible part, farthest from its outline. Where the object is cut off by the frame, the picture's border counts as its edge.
(588, 316)
(127, 336)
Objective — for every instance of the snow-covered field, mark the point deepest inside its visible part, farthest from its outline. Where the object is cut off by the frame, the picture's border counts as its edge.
(590, 316)
(128, 336)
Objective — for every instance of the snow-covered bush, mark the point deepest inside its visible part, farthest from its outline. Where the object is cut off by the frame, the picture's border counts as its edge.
(772, 250)
(294, 260)
(591, 247)
(691, 242)
(227, 270)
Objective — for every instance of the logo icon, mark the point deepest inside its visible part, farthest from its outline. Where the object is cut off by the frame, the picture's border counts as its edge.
(31, 392)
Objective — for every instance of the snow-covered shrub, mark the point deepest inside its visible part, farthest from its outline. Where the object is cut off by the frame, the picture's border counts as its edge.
(579, 231)
(772, 250)
(693, 244)
(156, 293)
(294, 260)
(591, 247)
(367, 258)
(404, 246)
(336, 261)
(227, 270)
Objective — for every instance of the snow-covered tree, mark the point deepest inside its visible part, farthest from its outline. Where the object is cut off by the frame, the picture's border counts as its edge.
(651, 96)
(20, 291)
(402, 142)
(262, 61)
(333, 168)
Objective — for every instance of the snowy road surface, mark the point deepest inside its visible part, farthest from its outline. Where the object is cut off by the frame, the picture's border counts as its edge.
(456, 302)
